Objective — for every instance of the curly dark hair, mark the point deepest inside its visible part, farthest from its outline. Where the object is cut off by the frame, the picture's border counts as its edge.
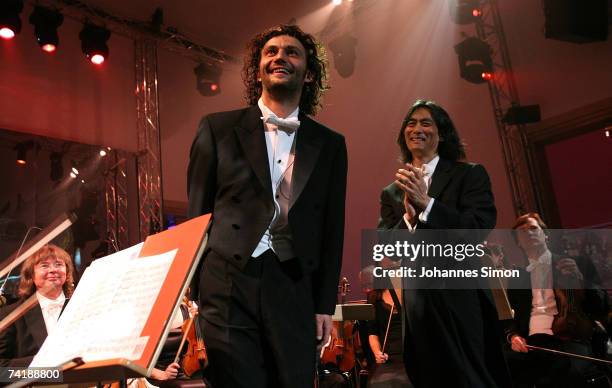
(316, 64)
(450, 147)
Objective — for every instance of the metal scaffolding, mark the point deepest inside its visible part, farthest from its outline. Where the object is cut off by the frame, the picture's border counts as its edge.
(149, 139)
(147, 36)
(504, 94)
(116, 196)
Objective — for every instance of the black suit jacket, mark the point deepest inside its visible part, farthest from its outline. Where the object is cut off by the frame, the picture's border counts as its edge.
(463, 199)
(229, 176)
(20, 342)
(595, 302)
(451, 335)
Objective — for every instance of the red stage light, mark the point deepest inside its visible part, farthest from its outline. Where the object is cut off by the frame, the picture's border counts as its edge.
(476, 12)
(49, 47)
(21, 161)
(7, 33)
(97, 59)
(214, 87)
(487, 76)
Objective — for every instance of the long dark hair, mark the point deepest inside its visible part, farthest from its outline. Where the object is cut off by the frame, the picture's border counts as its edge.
(316, 65)
(450, 147)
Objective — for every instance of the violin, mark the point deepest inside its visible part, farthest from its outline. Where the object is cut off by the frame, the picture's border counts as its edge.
(195, 357)
(571, 323)
(343, 343)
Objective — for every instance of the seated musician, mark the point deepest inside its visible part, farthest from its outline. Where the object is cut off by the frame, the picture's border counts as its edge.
(48, 273)
(386, 330)
(554, 305)
(168, 373)
(384, 333)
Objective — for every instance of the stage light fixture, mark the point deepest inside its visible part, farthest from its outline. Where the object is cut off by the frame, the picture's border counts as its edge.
(93, 43)
(336, 2)
(208, 79)
(22, 151)
(45, 22)
(487, 76)
(10, 22)
(102, 152)
(474, 60)
(464, 11)
(57, 166)
(344, 53)
(522, 114)
(21, 156)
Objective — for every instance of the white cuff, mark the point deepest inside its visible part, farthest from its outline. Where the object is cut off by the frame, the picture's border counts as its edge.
(411, 228)
(425, 213)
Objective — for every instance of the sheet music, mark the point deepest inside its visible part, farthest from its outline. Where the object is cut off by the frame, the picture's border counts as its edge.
(108, 310)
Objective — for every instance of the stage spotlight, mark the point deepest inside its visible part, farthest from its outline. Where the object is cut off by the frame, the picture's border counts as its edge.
(474, 60)
(21, 156)
(487, 76)
(465, 11)
(522, 114)
(10, 23)
(93, 43)
(208, 78)
(22, 151)
(46, 21)
(608, 133)
(102, 152)
(57, 167)
(336, 2)
(343, 50)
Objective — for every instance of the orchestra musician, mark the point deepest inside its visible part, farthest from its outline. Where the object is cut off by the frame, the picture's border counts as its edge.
(451, 335)
(48, 273)
(556, 301)
(385, 340)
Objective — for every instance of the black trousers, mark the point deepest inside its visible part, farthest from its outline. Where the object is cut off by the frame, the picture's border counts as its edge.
(259, 323)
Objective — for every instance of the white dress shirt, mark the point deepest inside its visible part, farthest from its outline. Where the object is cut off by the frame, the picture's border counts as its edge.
(428, 169)
(280, 146)
(51, 309)
(543, 303)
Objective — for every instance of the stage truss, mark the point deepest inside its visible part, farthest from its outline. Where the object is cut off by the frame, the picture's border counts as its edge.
(504, 95)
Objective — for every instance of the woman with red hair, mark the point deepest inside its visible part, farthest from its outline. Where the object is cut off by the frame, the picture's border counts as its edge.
(48, 273)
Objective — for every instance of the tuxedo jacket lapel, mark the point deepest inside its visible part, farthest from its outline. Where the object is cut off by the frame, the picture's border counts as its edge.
(251, 135)
(307, 148)
(36, 325)
(440, 178)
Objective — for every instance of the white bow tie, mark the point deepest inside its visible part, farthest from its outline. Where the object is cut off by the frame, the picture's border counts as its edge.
(288, 125)
(425, 168)
(54, 306)
(543, 260)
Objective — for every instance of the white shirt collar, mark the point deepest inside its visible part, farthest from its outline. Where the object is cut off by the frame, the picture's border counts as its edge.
(265, 111)
(430, 167)
(44, 302)
(544, 259)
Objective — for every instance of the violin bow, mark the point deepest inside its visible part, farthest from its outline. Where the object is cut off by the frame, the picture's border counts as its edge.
(566, 354)
(388, 326)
